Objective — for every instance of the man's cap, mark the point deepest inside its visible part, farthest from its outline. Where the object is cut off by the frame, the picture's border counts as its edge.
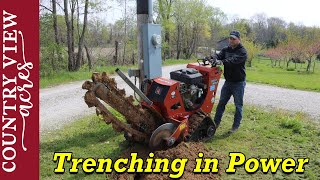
(235, 34)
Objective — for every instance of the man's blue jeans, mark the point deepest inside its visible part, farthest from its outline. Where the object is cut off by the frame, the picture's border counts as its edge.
(236, 89)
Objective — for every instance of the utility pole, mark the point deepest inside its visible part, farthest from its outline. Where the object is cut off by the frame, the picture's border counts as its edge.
(144, 15)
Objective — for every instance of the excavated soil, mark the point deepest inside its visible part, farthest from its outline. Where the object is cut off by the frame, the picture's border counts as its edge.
(188, 150)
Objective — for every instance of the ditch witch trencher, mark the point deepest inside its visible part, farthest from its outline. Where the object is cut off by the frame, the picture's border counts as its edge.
(169, 110)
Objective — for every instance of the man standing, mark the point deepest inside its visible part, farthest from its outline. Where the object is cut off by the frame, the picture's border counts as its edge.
(233, 58)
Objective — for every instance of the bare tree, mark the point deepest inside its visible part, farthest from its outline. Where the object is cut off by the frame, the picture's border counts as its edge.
(88, 56)
(69, 36)
(259, 26)
(55, 21)
(80, 44)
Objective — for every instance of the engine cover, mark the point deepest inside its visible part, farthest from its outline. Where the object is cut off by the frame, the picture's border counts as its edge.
(187, 75)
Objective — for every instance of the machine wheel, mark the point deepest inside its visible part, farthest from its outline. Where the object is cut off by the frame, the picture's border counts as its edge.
(158, 139)
(205, 130)
(211, 131)
(210, 128)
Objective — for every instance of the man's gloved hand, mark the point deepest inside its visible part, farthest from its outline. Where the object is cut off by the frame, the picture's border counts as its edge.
(219, 62)
(213, 58)
(207, 58)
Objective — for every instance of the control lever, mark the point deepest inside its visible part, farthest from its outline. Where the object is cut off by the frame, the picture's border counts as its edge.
(209, 60)
(205, 61)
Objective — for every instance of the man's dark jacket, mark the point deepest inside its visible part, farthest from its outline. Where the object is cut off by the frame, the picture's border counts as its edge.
(234, 63)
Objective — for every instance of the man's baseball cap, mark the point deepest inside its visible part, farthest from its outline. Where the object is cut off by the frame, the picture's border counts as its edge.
(235, 34)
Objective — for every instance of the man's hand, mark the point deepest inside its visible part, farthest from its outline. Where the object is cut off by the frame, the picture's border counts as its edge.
(219, 62)
(213, 60)
(214, 56)
(207, 58)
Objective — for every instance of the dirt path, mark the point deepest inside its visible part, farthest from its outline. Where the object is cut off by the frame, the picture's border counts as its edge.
(63, 104)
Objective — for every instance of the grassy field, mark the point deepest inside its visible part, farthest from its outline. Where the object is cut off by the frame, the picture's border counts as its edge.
(262, 72)
(262, 135)
(65, 77)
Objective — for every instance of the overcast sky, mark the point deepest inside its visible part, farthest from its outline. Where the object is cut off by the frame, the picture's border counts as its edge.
(305, 12)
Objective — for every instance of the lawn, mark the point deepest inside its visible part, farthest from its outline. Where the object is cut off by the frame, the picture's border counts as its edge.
(262, 72)
(262, 135)
(82, 74)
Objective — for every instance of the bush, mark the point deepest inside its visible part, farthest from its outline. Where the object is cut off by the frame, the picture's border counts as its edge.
(50, 63)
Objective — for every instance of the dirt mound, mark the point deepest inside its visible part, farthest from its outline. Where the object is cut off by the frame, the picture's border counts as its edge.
(188, 150)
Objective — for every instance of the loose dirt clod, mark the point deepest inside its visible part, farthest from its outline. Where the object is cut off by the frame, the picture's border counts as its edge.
(187, 150)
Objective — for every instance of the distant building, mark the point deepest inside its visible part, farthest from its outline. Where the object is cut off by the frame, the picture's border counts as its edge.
(222, 43)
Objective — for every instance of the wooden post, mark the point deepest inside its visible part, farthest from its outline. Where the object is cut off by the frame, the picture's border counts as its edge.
(115, 57)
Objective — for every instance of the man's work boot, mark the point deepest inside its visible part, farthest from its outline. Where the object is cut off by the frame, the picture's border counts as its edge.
(232, 130)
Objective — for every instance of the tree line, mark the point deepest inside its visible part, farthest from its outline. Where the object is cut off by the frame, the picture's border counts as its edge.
(69, 40)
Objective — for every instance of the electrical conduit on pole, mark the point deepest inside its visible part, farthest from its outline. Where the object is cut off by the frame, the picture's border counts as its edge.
(144, 15)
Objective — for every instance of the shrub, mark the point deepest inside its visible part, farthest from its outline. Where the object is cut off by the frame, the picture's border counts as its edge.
(49, 60)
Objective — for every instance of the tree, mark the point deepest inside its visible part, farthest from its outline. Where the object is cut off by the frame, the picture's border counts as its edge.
(291, 51)
(51, 43)
(275, 31)
(74, 59)
(188, 26)
(241, 25)
(192, 28)
(310, 50)
(165, 9)
(98, 33)
(69, 36)
(216, 22)
(252, 50)
(81, 40)
(274, 54)
(125, 22)
(259, 27)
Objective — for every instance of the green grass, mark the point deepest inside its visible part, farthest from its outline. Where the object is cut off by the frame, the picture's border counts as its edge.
(262, 134)
(88, 137)
(65, 77)
(262, 72)
(270, 135)
(170, 62)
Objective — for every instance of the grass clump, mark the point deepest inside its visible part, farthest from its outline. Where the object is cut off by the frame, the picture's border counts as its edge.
(291, 123)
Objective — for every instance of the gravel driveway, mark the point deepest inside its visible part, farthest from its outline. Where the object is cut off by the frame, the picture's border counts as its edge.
(63, 104)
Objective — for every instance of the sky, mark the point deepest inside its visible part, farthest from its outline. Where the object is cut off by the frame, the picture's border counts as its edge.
(306, 12)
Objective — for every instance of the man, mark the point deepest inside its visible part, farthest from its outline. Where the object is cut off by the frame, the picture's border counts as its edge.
(233, 58)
